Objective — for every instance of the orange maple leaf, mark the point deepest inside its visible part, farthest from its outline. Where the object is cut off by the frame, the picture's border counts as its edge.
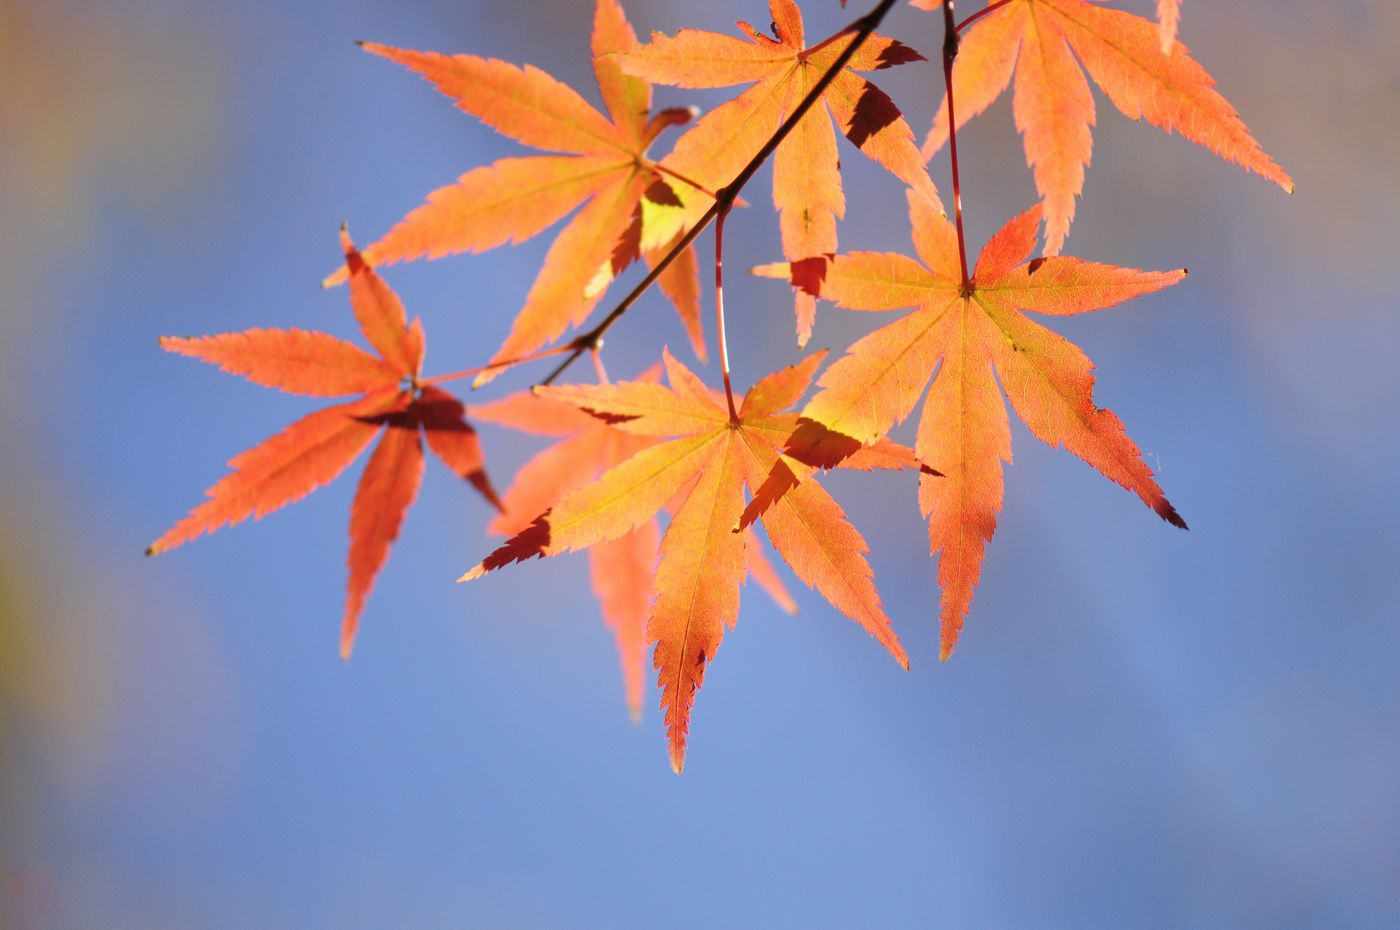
(315, 449)
(514, 199)
(621, 570)
(1055, 108)
(807, 187)
(703, 553)
(972, 331)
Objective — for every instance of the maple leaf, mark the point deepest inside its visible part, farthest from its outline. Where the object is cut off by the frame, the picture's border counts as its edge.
(513, 199)
(964, 334)
(315, 449)
(807, 187)
(1054, 107)
(621, 570)
(709, 460)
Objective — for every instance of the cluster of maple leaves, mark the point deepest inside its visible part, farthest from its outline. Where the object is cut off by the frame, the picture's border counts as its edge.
(625, 451)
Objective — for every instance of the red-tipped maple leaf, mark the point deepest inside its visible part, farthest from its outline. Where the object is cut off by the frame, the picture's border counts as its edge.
(1038, 41)
(703, 553)
(806, 166)
(315, 449)
(964, 335)
(515, 198)
(621, 570)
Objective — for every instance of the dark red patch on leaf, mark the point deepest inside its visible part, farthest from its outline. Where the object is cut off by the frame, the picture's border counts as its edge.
(779, 481)
(452, 439)
(671, 116)
(612, 419)
(529, 543)
(1167, 512)
(661, 193)
(808, 274)
(814, 444)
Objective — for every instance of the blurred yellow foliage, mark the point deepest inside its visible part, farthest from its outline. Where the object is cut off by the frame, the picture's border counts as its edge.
(91, 100)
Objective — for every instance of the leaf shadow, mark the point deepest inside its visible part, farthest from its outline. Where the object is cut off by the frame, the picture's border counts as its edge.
(873, 112)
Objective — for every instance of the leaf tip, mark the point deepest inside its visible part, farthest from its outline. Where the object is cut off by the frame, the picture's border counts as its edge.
(152, 550)
(475, 573)
(634, 714)
(1167, 512)
(493, 499)
(349, 628)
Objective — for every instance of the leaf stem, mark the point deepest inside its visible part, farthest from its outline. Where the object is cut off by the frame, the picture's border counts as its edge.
(492, 366)
(598, 365)
(683, 179)
(809, 52)
(950, 53)
(991, 8)
(719, 313)
(726, 196)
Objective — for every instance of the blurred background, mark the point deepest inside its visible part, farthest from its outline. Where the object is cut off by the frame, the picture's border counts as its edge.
(1141, 727)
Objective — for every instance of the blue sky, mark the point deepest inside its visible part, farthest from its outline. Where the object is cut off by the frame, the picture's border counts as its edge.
(1141, 727)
